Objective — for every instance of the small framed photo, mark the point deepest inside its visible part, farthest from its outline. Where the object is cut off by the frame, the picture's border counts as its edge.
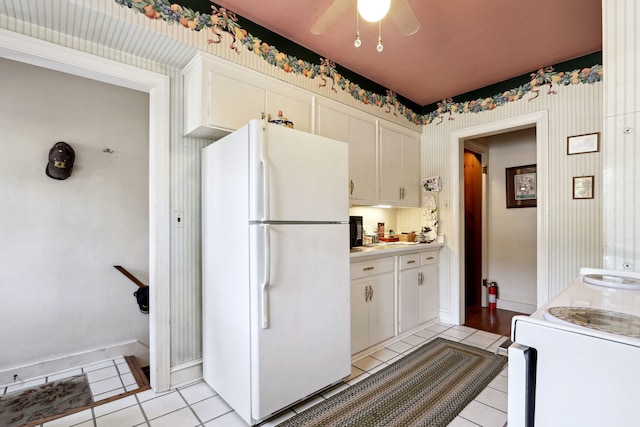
(522, 190)
(583, 187)
(588, 143)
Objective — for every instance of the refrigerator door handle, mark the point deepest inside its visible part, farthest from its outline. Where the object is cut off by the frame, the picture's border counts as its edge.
(265, 179)
(267, 277)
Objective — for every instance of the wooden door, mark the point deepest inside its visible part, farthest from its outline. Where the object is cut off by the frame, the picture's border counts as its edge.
(473, 228)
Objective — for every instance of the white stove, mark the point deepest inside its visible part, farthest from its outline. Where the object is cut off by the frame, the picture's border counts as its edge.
(576, 360)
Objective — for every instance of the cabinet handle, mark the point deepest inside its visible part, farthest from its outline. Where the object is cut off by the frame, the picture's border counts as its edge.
(400, 193)
(368, 268)
(428, 258)
(411, 262)
(368, 293)
(351, 186)
(421, 278)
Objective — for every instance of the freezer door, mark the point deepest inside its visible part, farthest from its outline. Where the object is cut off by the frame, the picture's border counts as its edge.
(297, 176)
(301, 334)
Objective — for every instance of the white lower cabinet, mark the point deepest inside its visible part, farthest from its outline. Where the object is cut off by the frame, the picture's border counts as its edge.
(372, 302)
(373, 293)
(417, 289)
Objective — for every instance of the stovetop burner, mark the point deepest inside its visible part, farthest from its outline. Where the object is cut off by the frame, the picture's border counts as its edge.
(596, 319)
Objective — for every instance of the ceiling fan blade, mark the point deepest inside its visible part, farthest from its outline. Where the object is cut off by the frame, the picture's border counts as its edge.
(335, 9)
(404, 17)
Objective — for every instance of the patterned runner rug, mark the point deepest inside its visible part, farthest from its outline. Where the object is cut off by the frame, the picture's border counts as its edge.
(428, 387)
(43, 401)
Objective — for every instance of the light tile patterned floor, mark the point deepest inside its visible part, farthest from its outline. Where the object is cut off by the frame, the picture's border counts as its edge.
(106, 379)
(198, 405)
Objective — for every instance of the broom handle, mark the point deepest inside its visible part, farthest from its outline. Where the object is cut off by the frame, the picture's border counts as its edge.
(131, 277)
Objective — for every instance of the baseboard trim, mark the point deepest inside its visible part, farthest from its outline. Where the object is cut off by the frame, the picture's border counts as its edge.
(520, 307)
(46, 367)
(186, 373)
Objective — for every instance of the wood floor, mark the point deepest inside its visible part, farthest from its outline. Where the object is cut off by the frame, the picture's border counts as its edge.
(496, 321)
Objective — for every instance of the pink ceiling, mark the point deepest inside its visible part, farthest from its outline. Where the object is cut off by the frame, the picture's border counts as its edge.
(462, 45)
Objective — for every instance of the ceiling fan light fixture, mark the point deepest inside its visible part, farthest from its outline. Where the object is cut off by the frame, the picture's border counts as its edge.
(379, 47)
(373, 10)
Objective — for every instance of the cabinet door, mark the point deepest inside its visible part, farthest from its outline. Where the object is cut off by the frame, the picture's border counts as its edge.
(409, 299)
(333, 124)
(429, 293)
(295, 106)
(233, 102)
(381, 311)
(359, 316)
(411, 170)
(390, 165)
(362, 160)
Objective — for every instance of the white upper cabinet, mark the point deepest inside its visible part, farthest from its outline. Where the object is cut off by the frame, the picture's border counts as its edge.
(231, 101)
(399, 167)
(363, 161)
(295, 104)
(359, 131)
(222, 97)
(333, 122)
(384, 157)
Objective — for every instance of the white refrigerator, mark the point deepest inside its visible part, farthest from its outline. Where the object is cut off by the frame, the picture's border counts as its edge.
(275, 255)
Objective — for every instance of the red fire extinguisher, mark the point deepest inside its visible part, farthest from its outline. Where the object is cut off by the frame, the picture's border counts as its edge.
(493, 293)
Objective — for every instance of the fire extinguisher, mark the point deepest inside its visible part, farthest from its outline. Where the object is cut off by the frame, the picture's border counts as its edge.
(493, 293)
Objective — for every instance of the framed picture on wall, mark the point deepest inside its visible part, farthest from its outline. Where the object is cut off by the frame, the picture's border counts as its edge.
(522, 190)
(588, 143)
(583, 187)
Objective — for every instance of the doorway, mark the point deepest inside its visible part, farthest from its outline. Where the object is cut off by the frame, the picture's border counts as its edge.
(490, 228)
(457, 291)
(36, 52)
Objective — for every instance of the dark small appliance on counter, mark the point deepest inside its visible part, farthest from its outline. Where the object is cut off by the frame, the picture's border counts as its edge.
(356, 231)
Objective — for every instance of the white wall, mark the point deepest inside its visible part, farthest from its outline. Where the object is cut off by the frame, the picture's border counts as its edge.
(511, 232)
(61, 239)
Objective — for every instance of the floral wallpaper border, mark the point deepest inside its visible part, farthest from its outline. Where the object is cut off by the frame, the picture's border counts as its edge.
(222, 21)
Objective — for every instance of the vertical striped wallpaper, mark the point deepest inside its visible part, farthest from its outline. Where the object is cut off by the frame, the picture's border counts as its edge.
(621, 136)
(186, 282)
(575, 226)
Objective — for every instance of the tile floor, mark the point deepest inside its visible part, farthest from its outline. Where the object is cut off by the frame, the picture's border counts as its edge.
(199, 405)
(106, 379)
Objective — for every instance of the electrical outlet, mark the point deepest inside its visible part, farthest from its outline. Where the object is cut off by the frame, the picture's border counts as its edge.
(178, 220)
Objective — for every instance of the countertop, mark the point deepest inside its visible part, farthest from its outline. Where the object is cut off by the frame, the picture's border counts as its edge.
(394, 248)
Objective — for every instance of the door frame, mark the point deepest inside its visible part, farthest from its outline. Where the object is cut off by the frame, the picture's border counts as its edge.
(21, 48)
(539, 120)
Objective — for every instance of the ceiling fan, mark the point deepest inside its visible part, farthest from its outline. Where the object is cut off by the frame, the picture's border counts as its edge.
(400, 12)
